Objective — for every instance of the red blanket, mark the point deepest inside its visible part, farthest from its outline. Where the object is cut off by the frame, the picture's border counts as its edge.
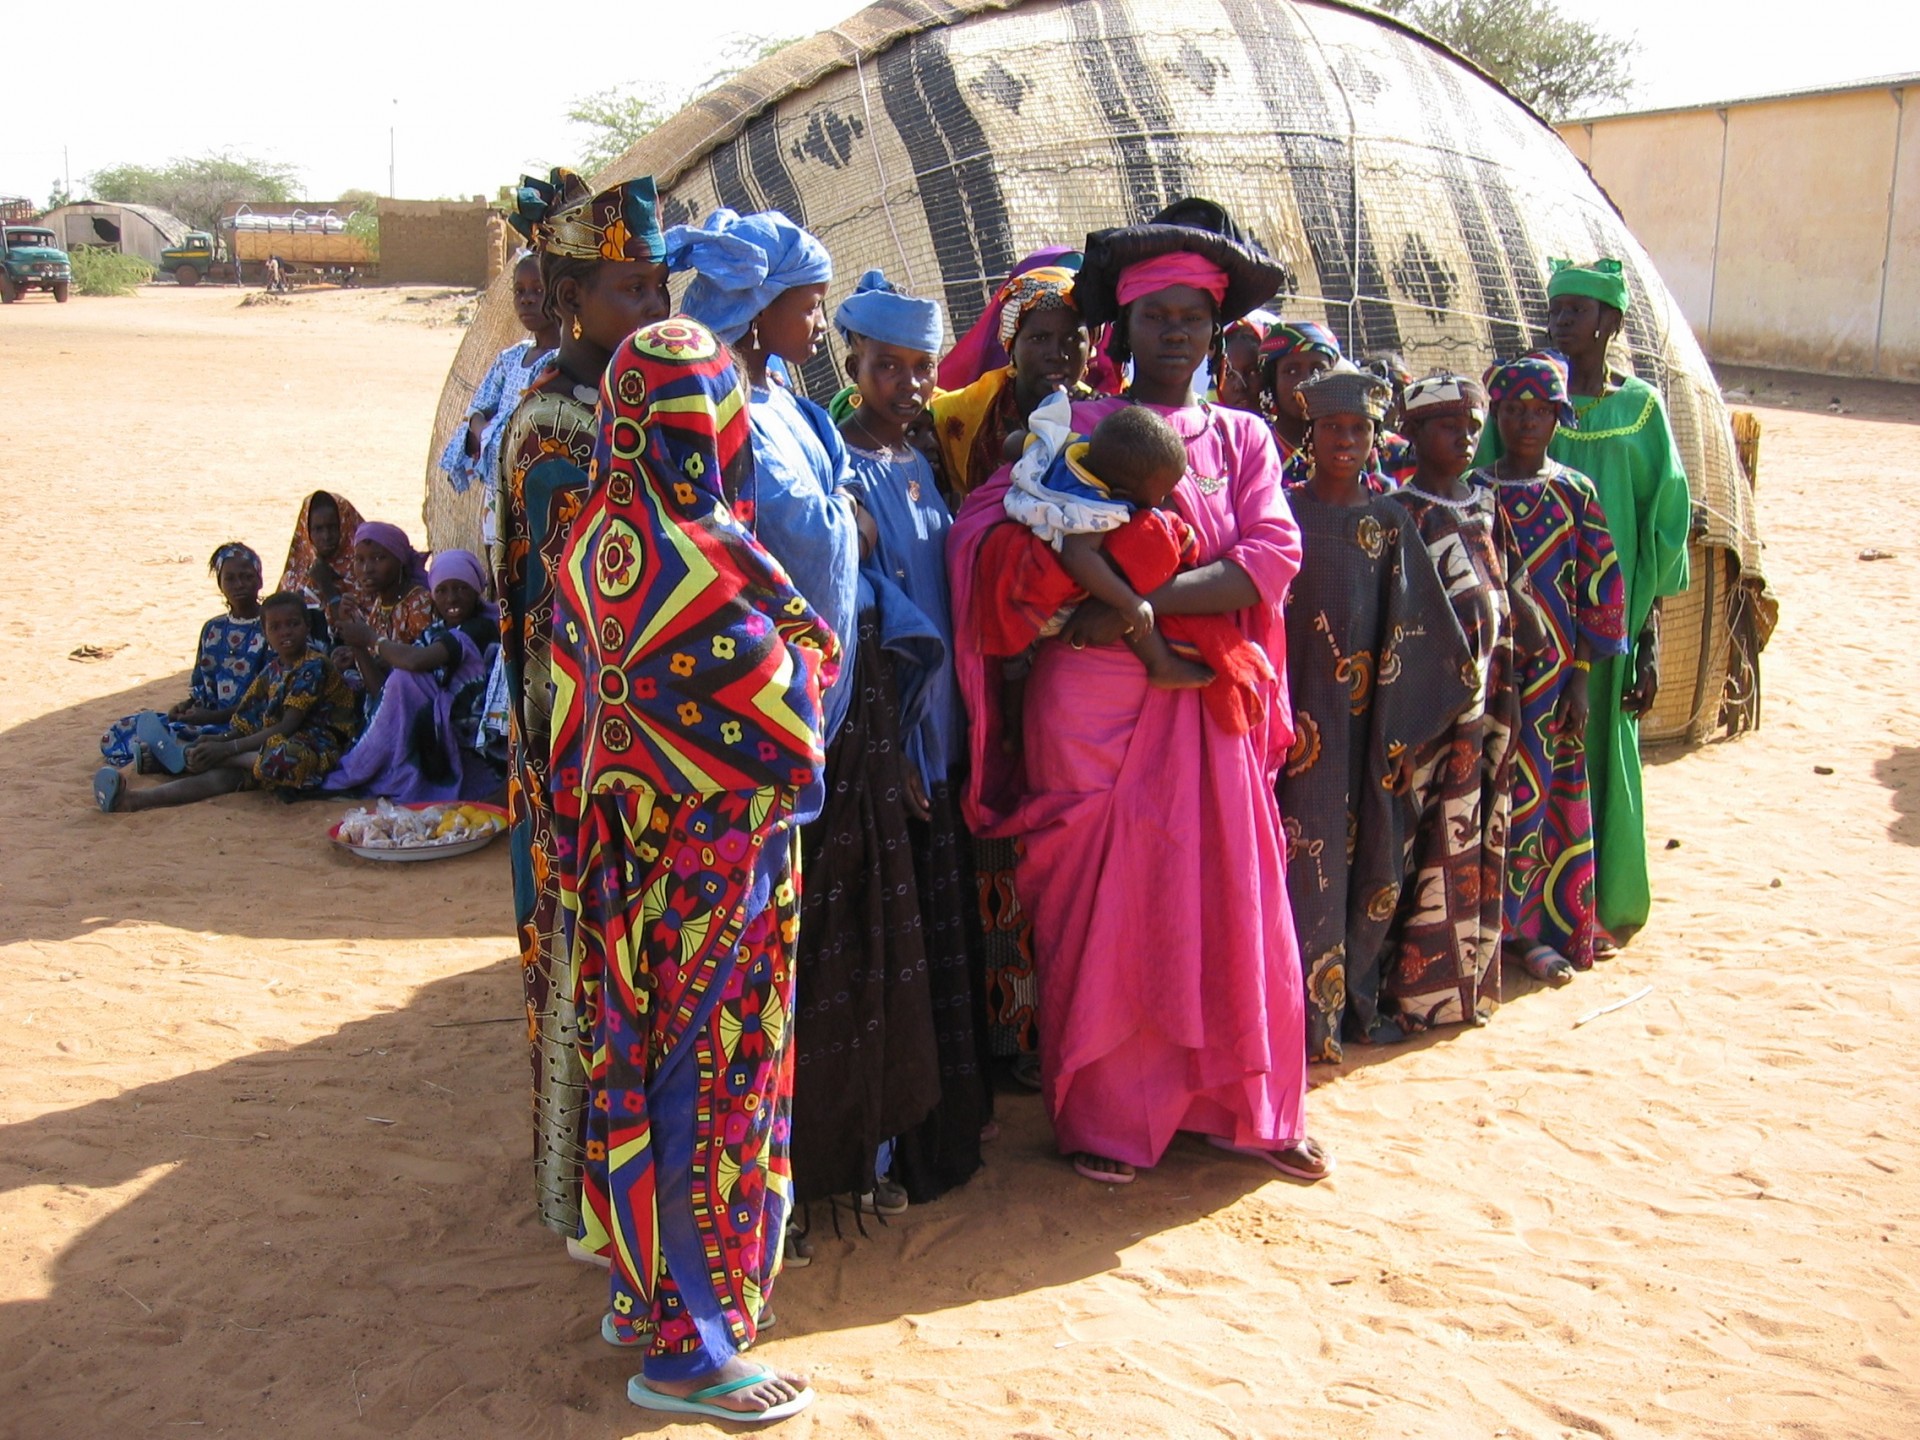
(1022, 585)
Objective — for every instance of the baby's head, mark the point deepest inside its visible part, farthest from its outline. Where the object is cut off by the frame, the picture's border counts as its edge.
(1137, 455)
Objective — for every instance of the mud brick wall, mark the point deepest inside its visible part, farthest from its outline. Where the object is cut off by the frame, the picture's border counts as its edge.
(436, 242)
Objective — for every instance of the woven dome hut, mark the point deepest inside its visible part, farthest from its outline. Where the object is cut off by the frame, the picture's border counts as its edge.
(1416, 201)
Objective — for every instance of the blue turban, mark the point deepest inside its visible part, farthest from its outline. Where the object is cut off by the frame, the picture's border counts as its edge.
(880, 312)
(746, 262)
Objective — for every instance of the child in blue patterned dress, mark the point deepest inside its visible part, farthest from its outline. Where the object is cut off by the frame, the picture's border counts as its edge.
(231, 652)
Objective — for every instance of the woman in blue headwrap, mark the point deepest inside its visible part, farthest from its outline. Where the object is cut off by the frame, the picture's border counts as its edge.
(761, 287)
(603, 263)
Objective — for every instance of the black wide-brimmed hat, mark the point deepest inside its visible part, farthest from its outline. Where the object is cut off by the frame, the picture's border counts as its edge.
(1253, 276)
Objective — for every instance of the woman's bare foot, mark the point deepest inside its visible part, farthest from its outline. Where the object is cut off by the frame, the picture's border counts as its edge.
(772, 1388)
(1103, 1169)
(1304, 1160)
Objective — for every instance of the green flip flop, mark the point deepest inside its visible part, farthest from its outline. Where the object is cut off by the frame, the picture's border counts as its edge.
(700, 1401)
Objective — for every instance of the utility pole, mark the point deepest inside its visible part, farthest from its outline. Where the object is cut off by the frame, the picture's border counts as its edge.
(390, 143)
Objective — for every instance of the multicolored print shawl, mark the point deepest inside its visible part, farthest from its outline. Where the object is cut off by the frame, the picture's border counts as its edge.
(686, 662)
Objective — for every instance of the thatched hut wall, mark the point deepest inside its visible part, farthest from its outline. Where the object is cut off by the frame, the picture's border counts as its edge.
(1416, 200)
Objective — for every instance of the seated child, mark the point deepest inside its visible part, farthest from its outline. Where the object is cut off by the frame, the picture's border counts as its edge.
(232, 649)
(1099, 525)
(424, 742)
(288, 731)
(395, 604)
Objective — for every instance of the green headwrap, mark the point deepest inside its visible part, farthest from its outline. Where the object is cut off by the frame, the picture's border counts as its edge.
(1602, 281)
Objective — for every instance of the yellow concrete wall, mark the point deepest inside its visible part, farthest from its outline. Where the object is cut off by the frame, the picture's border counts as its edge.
(1788, 230)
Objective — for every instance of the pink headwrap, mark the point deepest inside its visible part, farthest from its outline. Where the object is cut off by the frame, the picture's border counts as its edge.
(1177, 267)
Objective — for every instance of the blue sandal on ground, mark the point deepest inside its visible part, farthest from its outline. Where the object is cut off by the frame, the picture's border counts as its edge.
(152, 730)
(700, 1401)
(107, 785)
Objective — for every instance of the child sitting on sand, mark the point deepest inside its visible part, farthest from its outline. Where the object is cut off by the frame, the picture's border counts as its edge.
(288, 731)
(424, 741)
(232, 650)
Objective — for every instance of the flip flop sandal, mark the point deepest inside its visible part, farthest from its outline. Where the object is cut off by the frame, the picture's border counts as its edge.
(1026, 1072)
(577, 1251)
(1087, 1171)
(107, 785)
(700, 1401)
(1273, 1158)
(153, 732)
(612, 1336)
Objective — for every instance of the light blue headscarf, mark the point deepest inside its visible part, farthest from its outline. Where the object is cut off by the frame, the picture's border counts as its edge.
(880, 312)
(745, 263)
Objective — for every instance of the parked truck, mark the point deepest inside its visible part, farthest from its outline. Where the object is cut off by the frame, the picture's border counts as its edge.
(30, 259)
(251, 246)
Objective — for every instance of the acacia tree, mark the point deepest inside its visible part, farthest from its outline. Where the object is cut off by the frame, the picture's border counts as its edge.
(1557, 64)
(196, 188)
(617, 118)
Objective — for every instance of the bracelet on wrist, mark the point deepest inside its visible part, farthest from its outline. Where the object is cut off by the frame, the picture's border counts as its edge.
(1583, 665)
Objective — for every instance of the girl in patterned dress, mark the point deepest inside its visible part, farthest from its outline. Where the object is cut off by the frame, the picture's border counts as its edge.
(1561, 532)
(287, 733)
(232, 649)
(1377, 667)
(473, 450)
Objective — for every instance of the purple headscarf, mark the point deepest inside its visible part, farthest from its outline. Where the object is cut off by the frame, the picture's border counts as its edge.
(393, 540)
(463, 565)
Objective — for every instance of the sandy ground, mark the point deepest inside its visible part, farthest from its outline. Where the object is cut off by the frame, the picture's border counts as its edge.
(262, 1137)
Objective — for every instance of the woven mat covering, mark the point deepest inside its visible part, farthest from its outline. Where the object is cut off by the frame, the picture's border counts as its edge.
(1415, 199)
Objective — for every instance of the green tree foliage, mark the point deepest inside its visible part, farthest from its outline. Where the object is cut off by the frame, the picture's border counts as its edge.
(196, 188)
(1559, 65)
(58, 196)
(351, 200)
(618, 118)
(107, 272)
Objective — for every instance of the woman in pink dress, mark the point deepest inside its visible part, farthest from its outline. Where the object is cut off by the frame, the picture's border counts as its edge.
(1171, 990)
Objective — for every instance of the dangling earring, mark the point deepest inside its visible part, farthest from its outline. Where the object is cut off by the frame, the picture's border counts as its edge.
(753, 335)
(576, 327)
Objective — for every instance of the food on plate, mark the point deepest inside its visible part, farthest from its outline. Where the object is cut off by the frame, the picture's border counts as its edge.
(393, 827)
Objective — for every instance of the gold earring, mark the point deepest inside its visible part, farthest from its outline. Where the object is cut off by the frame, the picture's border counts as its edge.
(576, 327)
(753, 335)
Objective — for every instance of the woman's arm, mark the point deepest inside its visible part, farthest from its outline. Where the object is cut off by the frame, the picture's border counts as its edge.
(205, 755)
(417, 658)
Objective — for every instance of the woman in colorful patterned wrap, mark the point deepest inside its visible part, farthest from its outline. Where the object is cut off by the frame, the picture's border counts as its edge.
(687, 751)
(603, 263)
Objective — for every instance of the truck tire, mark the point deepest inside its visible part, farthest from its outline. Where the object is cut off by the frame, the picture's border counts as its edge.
(60, 291)
(7, 293)
(187, 275)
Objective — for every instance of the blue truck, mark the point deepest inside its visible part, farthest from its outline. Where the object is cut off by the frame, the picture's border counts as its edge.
(33, 261)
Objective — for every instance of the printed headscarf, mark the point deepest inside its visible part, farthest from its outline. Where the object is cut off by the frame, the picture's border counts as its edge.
(301, 554)
(233, 550)
(393, 540)
(878, 310)
(745, 263)
(1345, 390)
(1542, 374)
(563, 219)
(1444, 393)
(463, 565)
(1603, 280)
(685, 660)
(982, 349)
(1289, 337)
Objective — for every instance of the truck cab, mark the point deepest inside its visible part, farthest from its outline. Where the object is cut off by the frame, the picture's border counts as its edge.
(190, 261)
(33, 260)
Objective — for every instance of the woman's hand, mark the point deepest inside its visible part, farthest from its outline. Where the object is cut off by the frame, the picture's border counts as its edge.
(1570, 715)
(917, 804)
(1643, 688)
(179, 712)
(1094, 623)
(204, 755)
(356, 633)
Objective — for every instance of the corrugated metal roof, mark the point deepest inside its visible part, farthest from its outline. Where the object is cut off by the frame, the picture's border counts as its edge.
(1905, 81)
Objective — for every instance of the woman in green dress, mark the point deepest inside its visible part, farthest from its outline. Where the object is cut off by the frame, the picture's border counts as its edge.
(1624, 444)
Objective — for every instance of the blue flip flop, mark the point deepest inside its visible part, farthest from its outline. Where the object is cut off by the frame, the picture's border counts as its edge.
(152, 730)
(698, 1403)
(107, 785)
(612, 1336)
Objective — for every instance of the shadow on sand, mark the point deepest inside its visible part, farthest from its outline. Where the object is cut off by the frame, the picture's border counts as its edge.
(223, 865)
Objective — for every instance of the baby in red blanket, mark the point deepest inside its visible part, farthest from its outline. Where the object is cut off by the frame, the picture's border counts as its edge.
(1093, 520)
